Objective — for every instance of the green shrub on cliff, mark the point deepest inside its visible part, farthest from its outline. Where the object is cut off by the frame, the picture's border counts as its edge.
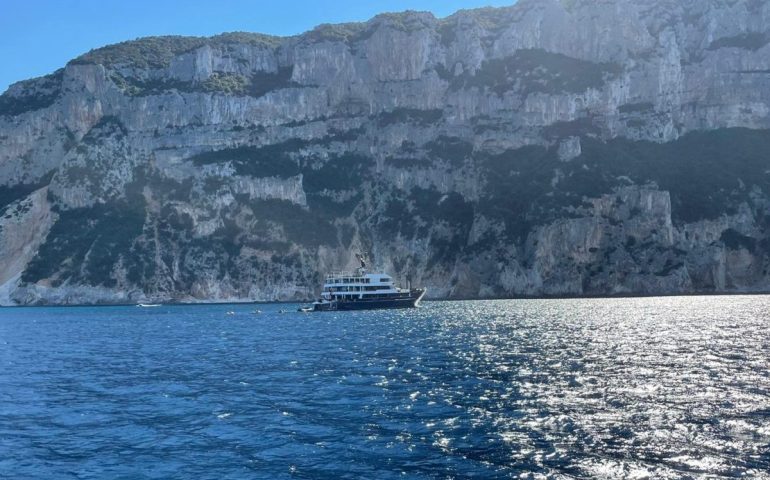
(157, 52)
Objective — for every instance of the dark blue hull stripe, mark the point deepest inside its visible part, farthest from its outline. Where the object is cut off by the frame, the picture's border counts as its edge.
(403, 302)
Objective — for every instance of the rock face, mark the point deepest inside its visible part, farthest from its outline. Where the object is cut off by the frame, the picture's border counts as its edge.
(573, 147)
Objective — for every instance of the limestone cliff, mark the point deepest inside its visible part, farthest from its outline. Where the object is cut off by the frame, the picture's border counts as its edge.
(554, 147)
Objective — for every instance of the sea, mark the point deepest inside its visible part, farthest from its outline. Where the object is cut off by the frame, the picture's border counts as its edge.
(670, 387)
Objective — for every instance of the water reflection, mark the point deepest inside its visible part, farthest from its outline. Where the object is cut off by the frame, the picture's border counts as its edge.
(620, 388)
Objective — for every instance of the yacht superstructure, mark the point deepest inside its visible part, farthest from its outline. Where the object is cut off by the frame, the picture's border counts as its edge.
(363, 290)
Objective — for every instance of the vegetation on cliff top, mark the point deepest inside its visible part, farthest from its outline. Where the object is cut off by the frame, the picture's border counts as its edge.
(491, 19)
(39, 93)
(157, 52)
(337, 32)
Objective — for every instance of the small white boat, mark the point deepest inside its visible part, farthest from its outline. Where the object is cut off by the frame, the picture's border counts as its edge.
(147, 305)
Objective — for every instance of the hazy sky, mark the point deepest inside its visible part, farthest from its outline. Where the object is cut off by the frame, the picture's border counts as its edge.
(39, 36)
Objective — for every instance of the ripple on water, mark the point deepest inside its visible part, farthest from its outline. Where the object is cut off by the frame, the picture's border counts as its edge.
(621, 388)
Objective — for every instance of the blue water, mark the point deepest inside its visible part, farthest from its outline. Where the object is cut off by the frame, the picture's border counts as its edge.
(620, 388)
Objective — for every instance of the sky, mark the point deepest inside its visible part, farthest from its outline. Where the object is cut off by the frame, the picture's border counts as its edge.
(39, 36)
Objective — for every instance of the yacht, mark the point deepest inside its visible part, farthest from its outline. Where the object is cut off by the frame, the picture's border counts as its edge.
(364, 290)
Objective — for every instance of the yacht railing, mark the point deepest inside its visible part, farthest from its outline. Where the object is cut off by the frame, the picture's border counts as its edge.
(340, 274)
(354, 274)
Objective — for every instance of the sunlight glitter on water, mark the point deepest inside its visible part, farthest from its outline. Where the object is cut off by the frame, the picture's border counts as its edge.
(614, 388)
